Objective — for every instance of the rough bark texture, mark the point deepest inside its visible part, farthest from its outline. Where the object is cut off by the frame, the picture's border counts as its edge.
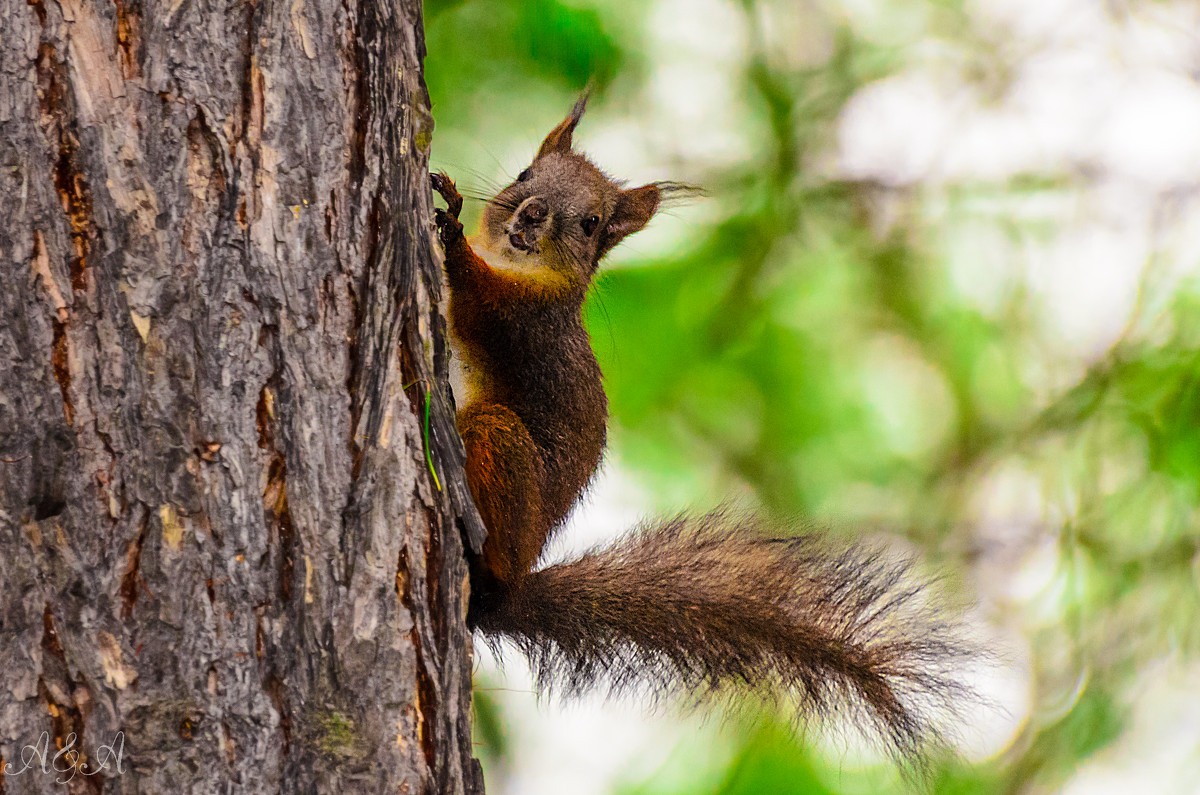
(219, 533)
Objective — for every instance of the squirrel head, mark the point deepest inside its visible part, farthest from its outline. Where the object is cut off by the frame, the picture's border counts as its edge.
(564, 213)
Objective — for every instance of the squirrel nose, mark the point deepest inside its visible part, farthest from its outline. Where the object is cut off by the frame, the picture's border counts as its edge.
(532, 212)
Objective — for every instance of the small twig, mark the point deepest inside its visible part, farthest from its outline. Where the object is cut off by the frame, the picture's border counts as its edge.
(425, 432)
(426, 436)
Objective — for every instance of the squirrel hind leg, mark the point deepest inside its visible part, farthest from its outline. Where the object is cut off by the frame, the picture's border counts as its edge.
(503, 473)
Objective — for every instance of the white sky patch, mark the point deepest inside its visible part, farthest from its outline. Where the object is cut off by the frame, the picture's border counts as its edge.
(897, 129)
(1152, 130)
(1161, 753)
(1087, 89)
(1113, 97)
(1005, 691)
(1041, 20)
(584, 746)
(1088, 282)
(1015, 528)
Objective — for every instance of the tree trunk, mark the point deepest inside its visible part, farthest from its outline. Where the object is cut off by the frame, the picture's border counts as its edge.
(231, 503)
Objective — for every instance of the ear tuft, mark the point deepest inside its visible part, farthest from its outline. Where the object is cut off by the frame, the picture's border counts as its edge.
(634, 210)
(559, 139)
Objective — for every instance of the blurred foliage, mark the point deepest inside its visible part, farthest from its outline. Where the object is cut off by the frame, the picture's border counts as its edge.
(487, 715)
(803, 345)
(768, 761)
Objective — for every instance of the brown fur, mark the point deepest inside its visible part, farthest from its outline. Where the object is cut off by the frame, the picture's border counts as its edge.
(503, 471)
(706, 605)
(535, 429)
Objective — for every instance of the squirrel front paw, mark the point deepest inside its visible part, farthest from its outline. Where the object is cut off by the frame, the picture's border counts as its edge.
(448, 226)
(444, 186)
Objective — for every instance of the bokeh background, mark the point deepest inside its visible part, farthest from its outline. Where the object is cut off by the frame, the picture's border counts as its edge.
(943, 288)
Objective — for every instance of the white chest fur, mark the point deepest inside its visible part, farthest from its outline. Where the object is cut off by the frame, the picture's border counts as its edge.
(464, 377)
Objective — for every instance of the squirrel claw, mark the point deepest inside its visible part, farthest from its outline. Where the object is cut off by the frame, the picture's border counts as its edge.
(448, 227)
(441, 182)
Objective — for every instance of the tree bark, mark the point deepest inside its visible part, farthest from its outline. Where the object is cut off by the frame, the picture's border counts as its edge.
(231, 503)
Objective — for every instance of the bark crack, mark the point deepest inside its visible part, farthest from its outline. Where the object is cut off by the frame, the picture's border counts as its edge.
(62, 696)
(276, 513)
(60, 354)
(133, 576)
(129, 37)
(426, 695)
(58, 121)
(358, 352)
(248, 66)
(360, 103)
(206, 182)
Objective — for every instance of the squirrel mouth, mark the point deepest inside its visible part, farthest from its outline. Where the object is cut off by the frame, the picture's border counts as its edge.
(518, 241)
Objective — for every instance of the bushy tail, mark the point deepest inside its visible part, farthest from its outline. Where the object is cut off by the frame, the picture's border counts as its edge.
(708, 605)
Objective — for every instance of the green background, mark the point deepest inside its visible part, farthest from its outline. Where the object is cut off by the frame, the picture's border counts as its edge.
(799, 341)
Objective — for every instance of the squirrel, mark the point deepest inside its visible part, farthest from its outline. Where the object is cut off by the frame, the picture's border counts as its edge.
(705, 604)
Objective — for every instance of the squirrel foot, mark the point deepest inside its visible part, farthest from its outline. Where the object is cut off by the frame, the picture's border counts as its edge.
(448, 226)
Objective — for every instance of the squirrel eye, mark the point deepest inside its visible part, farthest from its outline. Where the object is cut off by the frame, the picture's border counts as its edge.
(524, 175)
(589, 224)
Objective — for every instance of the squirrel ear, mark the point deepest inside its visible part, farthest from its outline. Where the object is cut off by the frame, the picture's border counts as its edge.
(559, 139)
(634, 210)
